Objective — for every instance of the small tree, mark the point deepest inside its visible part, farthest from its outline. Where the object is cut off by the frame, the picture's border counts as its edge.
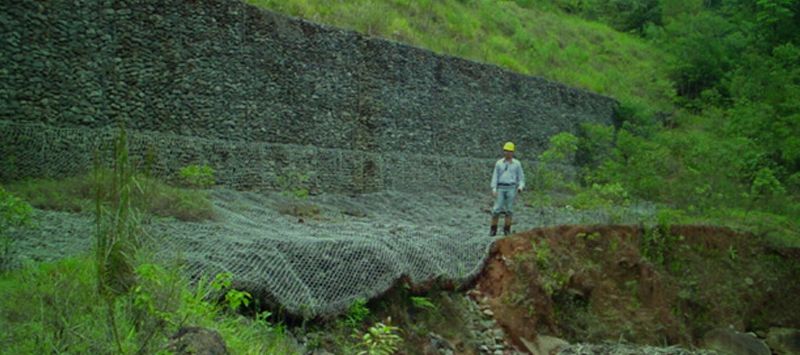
(560, 153)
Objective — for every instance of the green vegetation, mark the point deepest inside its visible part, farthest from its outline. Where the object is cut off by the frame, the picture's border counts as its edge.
(356, 314)
(120, 302)
(398, 322)
(294, 184)
(380, 339)
(75, 194)
(197, 176)
(534, 40)
(13, 213)
(422, 303)
(117, 232)
(55, 307)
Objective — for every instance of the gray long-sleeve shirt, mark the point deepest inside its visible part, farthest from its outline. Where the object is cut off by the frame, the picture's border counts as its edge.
(508, 174)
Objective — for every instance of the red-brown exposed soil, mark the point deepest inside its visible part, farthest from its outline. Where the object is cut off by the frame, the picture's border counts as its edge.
(656, 286)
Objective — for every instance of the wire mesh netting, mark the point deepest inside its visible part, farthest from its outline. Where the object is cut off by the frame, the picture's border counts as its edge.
(312, 268)
(355, 246)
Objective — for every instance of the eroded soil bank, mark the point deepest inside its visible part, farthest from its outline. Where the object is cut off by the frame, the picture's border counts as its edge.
(660, 285)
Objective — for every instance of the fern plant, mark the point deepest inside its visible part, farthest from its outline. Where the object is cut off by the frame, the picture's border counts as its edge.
(356, 313)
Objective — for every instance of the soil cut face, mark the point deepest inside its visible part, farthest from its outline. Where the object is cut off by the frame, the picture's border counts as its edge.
(643, 285)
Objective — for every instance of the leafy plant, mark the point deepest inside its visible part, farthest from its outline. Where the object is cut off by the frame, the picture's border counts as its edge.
(422, 303)
(236, 299)
(356, 313)
(732, 255)
(148, 295)
(601, 196)
(294, 183)
(162, 301)
(222, 284)
(765, 185)
(595, 145)
(380, 339)
(549, 174)
(542, 254)
(198, 176)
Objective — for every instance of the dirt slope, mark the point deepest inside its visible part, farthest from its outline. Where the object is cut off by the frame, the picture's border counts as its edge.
(647, 286)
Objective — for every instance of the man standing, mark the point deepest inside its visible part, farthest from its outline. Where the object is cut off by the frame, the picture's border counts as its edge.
(507, 180)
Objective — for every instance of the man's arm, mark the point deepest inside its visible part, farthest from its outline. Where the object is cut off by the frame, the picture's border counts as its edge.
(521, 177)
(494, 178)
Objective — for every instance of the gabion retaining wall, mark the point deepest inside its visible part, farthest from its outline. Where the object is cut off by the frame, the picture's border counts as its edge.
(261, 97)
(224, 70)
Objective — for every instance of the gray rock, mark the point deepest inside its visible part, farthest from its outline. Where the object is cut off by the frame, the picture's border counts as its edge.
(784, 340)
(440, 344)
(728, 341)
(544, 345)
(197, 341)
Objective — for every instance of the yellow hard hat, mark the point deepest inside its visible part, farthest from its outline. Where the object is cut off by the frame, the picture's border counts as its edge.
(509, 146)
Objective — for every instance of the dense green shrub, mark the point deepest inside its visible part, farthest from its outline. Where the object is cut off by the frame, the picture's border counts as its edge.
(595, 145)
(75, 318)
(198, 176)
(601, 196)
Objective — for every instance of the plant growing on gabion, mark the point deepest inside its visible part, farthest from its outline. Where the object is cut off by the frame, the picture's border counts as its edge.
(198, 176)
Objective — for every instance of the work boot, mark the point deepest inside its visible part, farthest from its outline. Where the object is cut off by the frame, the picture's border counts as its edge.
(493, 224)
(506, 230)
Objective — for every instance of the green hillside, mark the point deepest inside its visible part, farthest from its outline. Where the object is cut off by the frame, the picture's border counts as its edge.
(534, 41)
